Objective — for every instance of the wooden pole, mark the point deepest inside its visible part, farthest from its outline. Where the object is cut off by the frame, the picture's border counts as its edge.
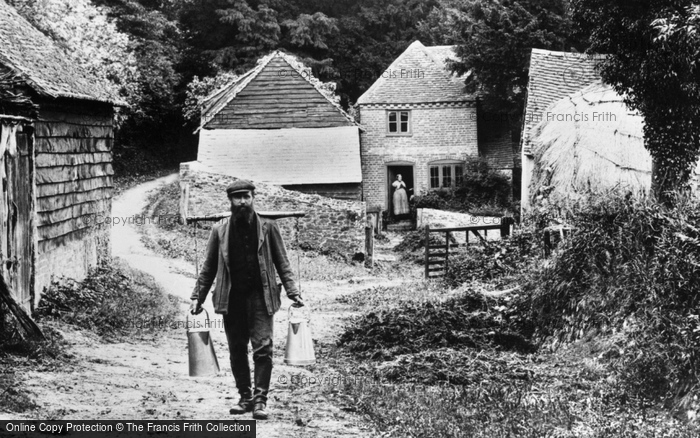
(268, 214)
(369, 246)
(447, 249)
(6, 297)
(184, 200)
(427, 250)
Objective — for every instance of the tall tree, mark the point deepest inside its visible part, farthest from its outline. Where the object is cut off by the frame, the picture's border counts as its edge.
(652, 49)
(495, 39)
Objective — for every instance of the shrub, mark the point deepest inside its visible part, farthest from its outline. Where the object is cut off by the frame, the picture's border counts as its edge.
(494, 260)
(482, 185)
(113, 300)
(631, 267)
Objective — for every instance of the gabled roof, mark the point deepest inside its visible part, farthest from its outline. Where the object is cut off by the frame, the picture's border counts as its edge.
(552, 76)
(42, 64)
(283, 156)
(418, 75)
(220, 98)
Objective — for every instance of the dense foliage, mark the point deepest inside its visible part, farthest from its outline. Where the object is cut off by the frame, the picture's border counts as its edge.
(494, 41)
(163, 55)
(113, 300)
(632, 269)
(461, 322)
(500, 262)
(652, 50)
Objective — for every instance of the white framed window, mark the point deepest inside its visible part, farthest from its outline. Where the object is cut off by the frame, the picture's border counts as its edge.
(446, 174)
(398, 122)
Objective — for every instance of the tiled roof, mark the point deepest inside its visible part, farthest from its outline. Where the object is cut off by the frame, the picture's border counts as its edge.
(42, 64)
(554, 75)
(418, 75)
(283, 156)
(220, 98)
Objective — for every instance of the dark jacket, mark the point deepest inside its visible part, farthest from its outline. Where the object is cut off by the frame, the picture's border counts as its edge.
(272, 258)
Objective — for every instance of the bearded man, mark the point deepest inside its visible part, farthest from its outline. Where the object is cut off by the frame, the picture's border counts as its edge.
(244, 255)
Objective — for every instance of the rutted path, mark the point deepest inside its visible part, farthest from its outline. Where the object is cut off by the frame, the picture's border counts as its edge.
(148, 379)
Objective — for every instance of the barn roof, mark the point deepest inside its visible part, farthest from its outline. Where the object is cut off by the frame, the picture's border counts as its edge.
(42, 64)
(220, 98)
(283, 156)
(554, 75)
(418, 75)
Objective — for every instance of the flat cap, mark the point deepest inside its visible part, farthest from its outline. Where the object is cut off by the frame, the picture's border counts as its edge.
(240, 185)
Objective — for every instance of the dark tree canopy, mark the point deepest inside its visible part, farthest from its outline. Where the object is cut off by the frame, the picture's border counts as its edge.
(496, 38)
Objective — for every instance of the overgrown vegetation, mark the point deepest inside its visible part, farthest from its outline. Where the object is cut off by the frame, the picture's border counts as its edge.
(112, 301)
(500, 262)
(615, 309)
(632, 268)
(468, 321)
(17, 353)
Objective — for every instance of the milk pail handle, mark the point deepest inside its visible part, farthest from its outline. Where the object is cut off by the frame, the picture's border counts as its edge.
(303, 310)
(190, 328)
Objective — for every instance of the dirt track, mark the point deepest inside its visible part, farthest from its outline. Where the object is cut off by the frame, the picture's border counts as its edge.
(148, 379)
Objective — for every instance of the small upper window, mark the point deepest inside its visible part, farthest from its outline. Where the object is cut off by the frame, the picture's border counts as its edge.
(398, 122)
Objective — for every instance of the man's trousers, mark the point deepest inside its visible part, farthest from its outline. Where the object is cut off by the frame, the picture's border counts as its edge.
(247, 320)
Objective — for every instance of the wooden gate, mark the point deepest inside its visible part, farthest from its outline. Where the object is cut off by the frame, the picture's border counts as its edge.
(437, 256)
(16, 210)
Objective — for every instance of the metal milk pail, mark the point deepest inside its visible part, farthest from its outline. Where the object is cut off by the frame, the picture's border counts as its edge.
(202, 357)
(300, 346)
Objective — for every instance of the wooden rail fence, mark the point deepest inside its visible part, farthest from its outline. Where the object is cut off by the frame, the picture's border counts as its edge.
(437, 256)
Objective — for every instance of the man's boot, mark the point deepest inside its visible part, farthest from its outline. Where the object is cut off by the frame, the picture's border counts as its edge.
(245, 404)
(259, 413)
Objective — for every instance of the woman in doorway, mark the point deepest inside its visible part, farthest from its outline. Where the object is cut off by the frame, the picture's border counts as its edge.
(400, 198)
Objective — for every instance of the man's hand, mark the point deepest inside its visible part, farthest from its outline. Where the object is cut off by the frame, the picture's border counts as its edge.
(297, 302)
(195, 307)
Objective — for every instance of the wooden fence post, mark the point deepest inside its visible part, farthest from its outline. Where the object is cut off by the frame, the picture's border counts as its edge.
(427, 250)
(369, 246)
(184, 201)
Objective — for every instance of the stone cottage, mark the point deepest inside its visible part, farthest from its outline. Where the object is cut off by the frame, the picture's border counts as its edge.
(418, 123)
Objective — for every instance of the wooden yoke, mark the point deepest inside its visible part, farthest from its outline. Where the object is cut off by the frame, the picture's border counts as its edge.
(268, 214)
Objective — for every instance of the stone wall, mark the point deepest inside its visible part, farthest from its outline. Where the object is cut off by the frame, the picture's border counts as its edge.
(450, 219)
(439, 132)
(330, 225)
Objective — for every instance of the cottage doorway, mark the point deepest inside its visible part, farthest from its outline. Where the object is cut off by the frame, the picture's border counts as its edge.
(406, 172)
(16, 212)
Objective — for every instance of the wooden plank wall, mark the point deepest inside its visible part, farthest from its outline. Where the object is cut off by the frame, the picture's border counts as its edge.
(278, 98)
(73, 172)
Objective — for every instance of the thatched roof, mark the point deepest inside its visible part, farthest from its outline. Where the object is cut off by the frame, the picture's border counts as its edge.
(42, 64)
(589, 142)
(418, 75)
